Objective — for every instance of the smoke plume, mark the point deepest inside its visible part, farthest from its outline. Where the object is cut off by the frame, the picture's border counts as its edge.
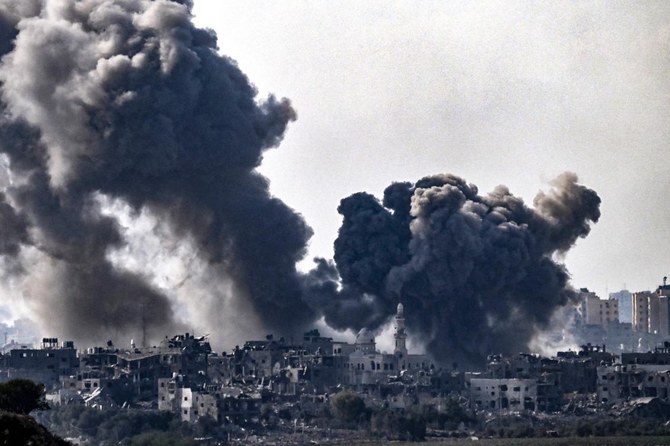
(128, 100)
(126, 103)
(476, 274)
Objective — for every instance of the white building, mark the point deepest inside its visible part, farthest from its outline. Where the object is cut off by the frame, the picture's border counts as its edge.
(502, 394)
(368, 366)
(597, 311)
(191, 404)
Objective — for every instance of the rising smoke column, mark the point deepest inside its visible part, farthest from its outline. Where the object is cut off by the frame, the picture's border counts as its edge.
(475, 273)
(128, 100)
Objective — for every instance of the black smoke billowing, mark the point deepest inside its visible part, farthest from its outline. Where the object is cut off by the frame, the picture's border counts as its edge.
(129, 100)
(476, 273)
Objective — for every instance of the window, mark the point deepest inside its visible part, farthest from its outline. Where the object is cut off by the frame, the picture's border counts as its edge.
(185, 398)
(517, 389)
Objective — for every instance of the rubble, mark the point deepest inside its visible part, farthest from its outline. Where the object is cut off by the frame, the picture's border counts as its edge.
(277, 391)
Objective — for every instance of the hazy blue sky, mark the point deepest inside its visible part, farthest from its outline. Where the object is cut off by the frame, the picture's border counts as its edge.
(497, 92)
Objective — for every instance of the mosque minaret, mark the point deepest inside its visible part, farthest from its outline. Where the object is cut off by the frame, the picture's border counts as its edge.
(400, 334)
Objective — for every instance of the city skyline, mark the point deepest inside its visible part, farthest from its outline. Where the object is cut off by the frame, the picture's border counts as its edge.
(178, 197)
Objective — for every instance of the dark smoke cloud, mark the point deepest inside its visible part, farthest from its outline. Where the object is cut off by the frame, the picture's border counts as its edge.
(476, 273)
(129, 100)
(14, 229)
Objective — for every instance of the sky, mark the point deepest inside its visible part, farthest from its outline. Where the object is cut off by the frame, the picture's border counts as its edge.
(510, 93)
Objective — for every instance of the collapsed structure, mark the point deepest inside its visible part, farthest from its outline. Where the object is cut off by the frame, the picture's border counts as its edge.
(184, 376)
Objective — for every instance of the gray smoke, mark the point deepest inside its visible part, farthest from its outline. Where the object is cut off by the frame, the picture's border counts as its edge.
(129, 100)
(477, 274)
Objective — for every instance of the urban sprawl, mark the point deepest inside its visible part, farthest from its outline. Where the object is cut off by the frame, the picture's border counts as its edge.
(277, 387)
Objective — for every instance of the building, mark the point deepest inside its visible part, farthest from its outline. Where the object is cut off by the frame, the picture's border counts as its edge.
(44, 365)
(651, 311)
(625, 299)
(597, 312)
(640, 303)
(176, 396)
(502, 393)
(366, 364)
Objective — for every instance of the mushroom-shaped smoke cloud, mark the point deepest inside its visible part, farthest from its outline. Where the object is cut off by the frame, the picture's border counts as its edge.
(477, 274)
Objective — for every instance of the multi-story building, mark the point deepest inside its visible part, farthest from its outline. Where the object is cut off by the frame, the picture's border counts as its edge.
(651, 311)
(502, 394)
(176, 396)
(44, 365)
(640, 302)
(624, 297)
(597, 311)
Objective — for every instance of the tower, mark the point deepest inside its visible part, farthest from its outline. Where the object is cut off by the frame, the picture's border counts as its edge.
(400, 334)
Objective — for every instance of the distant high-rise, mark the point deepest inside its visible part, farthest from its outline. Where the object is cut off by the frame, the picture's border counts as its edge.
(596, 311)
(625, 299)
(651, 310)
(641, 307)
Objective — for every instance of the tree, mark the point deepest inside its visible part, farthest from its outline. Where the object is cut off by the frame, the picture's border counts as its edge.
(16, 429)
(347, 406)
(22, 396)
(394, 426)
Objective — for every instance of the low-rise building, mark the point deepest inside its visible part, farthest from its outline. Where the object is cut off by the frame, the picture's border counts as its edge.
(512, 394)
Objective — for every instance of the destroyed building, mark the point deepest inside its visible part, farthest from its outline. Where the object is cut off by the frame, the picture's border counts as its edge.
(637, 375)
(44, 365)
(502, 393)
(184, 376)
